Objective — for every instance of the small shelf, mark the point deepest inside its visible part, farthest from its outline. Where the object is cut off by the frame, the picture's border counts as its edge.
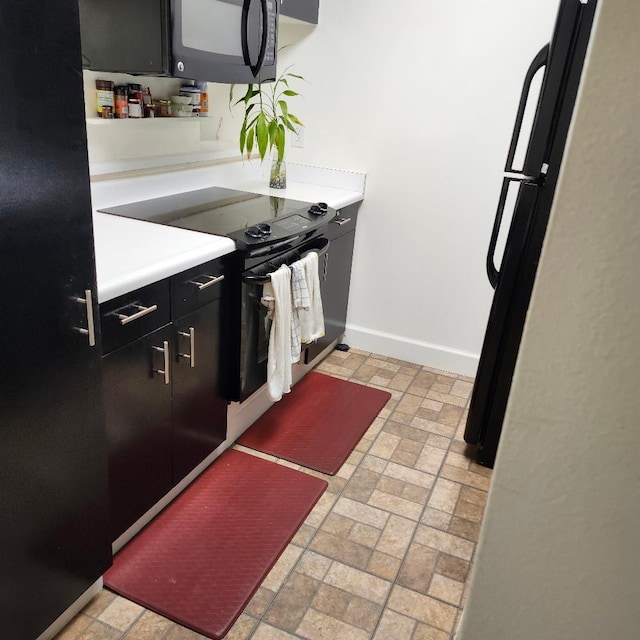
(94, 120)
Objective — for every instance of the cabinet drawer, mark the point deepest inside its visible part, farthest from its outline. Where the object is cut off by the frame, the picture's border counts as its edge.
(132, 315)
(196, 287)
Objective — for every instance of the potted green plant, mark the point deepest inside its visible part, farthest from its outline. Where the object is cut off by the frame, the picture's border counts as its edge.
(266, 120)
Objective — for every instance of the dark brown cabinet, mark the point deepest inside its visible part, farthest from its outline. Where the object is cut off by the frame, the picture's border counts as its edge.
(53, 462)
(306, 10)
(198, 408)
(138, 418)
(335, 278)
(165, 412)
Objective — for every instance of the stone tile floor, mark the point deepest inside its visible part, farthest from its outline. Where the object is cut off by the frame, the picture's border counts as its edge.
(386, 552)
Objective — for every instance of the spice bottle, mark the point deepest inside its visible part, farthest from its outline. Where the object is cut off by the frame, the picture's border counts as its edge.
(104, 96)
(204, 98)
(122, 98)
(204, 104)
(163, 108)
(135, 108)
(135, 101)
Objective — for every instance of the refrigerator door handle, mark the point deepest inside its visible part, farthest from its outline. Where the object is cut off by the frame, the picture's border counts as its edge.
(493, 273)
(513, 175)
(539, 62)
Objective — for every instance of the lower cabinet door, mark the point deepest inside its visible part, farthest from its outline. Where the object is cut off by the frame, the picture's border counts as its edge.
(335, 276)
(199, 409)
(137, 396)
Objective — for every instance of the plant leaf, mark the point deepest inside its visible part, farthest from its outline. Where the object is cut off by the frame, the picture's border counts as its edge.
(273, 132)
(295, 120)
(287, 123)
(250, 143)
(284, 108)
(294, 75)
(262, 135)
(290, 92)
(243, 135)
(280, 142)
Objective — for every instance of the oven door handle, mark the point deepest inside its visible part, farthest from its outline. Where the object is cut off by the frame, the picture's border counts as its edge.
(320, 245)
(271, 248)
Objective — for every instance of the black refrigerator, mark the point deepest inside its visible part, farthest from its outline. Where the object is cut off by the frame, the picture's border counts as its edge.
(561, 63)
(53, 471)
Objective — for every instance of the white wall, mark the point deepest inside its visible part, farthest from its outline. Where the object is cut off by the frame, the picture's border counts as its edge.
(421, 96)
(558, 556)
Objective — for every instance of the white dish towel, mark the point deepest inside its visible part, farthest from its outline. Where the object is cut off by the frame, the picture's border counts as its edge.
(311, 317)
(300, 299)
(276, 296)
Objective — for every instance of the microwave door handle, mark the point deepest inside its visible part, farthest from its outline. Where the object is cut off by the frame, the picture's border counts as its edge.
(263, 44)
(246, 53)
(244, 32)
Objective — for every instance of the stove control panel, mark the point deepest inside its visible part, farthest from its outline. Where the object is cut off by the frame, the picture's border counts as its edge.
(273, 231)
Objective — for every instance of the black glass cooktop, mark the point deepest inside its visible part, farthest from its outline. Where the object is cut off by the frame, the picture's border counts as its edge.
(225, 212)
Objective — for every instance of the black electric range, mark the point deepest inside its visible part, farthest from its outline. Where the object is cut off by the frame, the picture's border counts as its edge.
(250, 219)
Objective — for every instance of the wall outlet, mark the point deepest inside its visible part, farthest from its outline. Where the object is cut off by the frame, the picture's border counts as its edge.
(298, 138)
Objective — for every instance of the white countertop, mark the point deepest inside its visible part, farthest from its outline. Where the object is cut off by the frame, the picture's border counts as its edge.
(131, 253)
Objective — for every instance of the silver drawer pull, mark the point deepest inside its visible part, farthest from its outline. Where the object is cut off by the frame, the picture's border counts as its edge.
(192, 346)
(143, 311)
(341, 221)
(90, 331)
(165, 351)
(204, 285)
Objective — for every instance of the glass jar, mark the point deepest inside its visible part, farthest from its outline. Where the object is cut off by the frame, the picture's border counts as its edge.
(104, 96)
(278, 175)
(122, 103)
(135, 108)
(163, 108)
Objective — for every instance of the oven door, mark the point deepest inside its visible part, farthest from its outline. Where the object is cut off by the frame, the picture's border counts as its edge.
(255, 326)
(231, 41)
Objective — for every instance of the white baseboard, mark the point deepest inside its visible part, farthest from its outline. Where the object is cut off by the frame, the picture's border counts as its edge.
(424, 353)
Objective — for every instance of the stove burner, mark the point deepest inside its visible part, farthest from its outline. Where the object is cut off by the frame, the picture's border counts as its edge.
(261, 230)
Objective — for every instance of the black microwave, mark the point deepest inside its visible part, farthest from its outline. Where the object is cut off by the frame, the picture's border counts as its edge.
(231, 41)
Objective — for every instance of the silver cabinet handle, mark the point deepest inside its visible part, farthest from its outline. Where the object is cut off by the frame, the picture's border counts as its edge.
(143, 311)
(192, 346)
(205, 285)
(165, 352)
(90, 331)
(326, 266)
(341, 221)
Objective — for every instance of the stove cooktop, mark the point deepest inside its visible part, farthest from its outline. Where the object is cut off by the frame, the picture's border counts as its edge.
(252, 220)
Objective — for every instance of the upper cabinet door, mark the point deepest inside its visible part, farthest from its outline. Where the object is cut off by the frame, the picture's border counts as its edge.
(306, 10)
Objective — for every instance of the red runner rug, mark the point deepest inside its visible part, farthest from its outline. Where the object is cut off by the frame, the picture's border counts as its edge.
(203, 557)
(318, 424)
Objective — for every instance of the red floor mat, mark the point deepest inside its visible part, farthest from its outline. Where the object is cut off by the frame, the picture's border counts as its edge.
(201, 559)
(318, 424)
